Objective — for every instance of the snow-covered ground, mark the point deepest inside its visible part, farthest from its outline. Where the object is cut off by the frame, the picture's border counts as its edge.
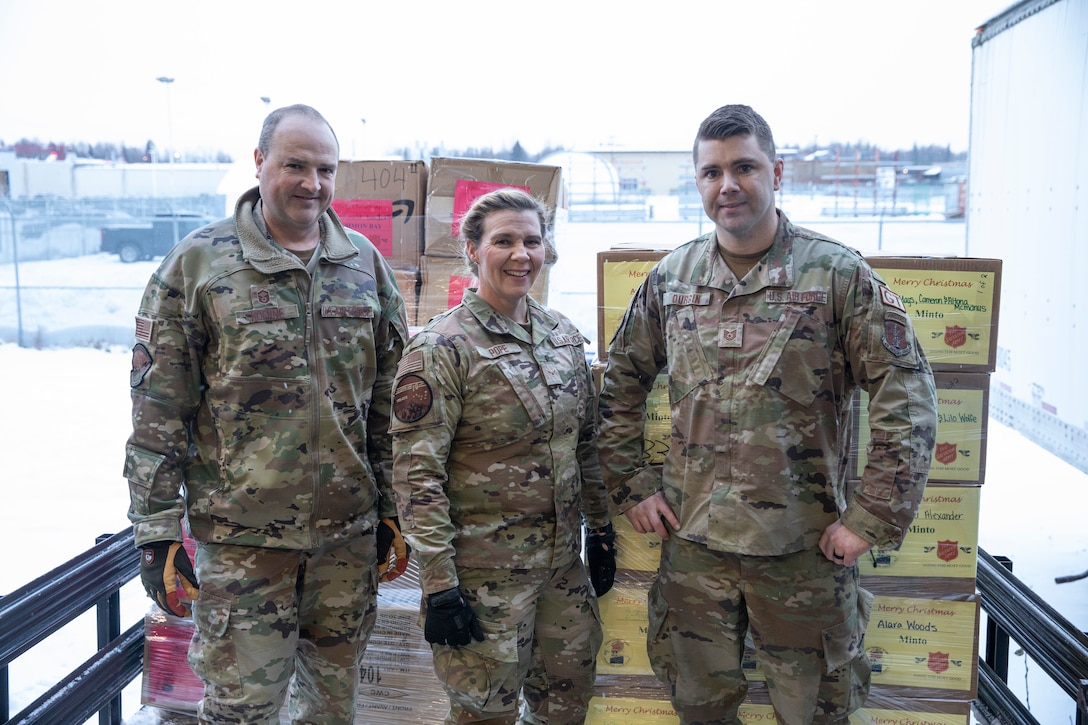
(65, 420)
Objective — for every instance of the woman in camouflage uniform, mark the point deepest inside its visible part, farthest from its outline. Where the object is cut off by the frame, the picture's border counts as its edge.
(495, 468)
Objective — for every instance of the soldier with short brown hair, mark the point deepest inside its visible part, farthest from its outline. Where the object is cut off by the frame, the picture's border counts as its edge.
(766, 330)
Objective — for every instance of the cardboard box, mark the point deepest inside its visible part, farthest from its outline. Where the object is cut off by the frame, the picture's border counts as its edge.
(619, 274)
(930, 644)
(386, 202)
(657, 427)
(455, 183)
(953, 303)
(445, 279)
(927, 643)
(942, 542)
(635, 552)
(624, 616)
(397, 683)
(408, 284)
(963, 402)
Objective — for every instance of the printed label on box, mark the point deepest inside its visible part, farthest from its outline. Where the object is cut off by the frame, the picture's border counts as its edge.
(467, 191)
(373, 218)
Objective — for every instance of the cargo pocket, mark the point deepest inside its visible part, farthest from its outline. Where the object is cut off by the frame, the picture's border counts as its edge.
(658, 646)
(211, 653)
(845, 641)
(140, 469)
(475, 675)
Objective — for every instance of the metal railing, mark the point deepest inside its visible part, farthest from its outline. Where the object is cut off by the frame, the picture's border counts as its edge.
(31, 613)
(1016, 612)
(94, 578)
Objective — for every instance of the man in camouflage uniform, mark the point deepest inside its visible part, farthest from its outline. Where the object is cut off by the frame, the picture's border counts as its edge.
(495, 460)
(766, 329)
(265, 351)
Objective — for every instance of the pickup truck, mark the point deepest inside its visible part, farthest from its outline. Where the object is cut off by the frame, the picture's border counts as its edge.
(144, 240)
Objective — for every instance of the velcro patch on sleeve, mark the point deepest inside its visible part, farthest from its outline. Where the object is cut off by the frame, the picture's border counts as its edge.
(144, 327)
(896, 337)
(412, 399)
(412, 362)
(141, 364)
(891, 299)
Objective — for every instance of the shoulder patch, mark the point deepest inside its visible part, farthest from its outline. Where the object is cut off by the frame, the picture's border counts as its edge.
(410, 363)
(895, 337)
(141, 364)
(891, 299)
(412, 399)
(144, 328)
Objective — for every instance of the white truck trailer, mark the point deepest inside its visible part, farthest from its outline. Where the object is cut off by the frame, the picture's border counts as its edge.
(1027, 204)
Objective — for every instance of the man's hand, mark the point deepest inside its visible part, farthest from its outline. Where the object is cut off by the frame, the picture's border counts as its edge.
(162, 565)
(841, 545)
(601, 558)
(393, 551)
(450, 619)
(651, 515)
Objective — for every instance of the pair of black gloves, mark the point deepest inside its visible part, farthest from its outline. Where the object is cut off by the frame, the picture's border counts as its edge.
(451, 621)
(166, 564)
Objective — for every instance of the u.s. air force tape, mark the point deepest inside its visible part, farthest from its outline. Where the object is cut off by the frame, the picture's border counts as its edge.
(412, 399)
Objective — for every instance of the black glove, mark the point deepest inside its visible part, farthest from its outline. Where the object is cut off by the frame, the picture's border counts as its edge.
(389, 538)
(162, 565)
(601, 558)
(450, 619)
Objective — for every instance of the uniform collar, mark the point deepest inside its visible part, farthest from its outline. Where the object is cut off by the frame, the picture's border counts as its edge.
(775, 267)
(494, 321)
(269, 258)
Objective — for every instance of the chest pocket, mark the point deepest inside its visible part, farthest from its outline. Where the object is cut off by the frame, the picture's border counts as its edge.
(515, 394)
(797, 357)
(687, 317)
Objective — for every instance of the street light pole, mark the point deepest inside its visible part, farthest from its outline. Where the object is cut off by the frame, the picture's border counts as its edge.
(168, 81)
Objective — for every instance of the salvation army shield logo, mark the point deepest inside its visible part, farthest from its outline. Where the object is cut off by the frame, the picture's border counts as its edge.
(938, 662)
(955, 336)
(945, 453)
(948, 550)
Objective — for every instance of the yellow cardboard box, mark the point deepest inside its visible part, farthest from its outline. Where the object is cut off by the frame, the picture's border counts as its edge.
(942, 541)
(962, 422)
(920, 643)
(619, 274)
(953, 303)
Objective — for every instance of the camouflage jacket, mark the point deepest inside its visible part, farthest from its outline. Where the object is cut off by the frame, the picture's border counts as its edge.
(761, 376)
(260, 397)
(494, 443)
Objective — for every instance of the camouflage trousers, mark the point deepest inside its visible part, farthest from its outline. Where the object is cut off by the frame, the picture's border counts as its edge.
(806, 618)
(542, 630)
(276, 623)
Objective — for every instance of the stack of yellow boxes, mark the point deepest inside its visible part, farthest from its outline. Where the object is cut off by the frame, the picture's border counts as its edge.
(923, 634)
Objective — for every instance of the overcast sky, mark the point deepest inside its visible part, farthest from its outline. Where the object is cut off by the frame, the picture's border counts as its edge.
(576, 73)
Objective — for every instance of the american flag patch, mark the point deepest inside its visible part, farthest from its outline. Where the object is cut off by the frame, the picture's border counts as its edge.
(144, 326)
